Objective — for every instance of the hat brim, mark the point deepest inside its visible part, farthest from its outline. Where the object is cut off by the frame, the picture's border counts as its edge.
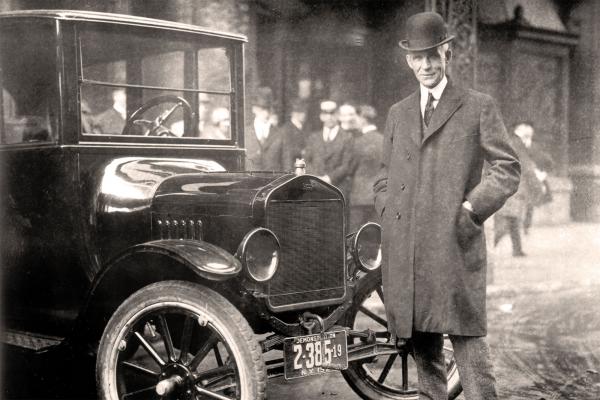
(404, 45)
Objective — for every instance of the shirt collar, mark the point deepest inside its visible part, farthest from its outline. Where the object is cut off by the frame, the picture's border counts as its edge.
(369, 128)
(436, 91)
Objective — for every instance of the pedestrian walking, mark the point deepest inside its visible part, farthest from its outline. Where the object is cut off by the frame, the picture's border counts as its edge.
(433, 197)
(329, 151)
(366, 164)
(509, 219)
(264, 144)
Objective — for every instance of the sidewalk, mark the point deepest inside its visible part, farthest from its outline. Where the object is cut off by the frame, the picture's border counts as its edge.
(557, 257)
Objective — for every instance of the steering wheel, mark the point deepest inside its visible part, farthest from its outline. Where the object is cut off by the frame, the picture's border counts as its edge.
(157, 126)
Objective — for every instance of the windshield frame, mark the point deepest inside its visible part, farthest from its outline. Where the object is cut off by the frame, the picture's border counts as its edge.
(234, 50)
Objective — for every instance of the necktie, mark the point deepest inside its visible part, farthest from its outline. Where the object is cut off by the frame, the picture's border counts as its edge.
(428, 110)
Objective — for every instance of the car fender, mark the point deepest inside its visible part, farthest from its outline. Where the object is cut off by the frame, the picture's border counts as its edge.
(204, 259)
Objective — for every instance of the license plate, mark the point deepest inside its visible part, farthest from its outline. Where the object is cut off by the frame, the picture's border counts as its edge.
(315, 354)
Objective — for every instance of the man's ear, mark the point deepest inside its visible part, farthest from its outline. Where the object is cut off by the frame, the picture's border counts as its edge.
(409, 60)
(448, 55)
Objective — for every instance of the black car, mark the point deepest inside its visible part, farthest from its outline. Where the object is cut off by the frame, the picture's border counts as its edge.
(129, 226)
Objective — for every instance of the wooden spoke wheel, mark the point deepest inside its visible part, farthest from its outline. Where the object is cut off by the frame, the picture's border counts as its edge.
(389, 376)
(178, 340)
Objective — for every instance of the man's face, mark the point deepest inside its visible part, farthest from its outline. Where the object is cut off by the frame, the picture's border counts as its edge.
(328, 118)
(261, 113)
(428, 66)
(348, 117)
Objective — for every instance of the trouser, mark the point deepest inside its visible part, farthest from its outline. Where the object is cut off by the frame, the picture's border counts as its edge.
(512, 225)
(472, 359)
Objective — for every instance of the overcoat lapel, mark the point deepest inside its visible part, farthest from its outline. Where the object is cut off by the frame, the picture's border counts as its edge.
(450, 101)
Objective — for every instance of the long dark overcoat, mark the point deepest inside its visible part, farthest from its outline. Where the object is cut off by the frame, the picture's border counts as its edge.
(434, 254)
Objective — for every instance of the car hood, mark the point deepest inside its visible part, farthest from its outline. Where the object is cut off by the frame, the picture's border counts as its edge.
(132, 184)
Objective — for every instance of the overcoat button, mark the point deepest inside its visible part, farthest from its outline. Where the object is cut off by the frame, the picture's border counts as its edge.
(403, 186)
(408, 156)
(398, 216)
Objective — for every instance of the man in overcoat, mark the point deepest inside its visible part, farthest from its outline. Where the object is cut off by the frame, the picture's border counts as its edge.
(264, 142)
(329, 151)
(365, 165)
(433, 195)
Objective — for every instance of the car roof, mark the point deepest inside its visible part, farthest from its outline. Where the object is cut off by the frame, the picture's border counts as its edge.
(123, 19)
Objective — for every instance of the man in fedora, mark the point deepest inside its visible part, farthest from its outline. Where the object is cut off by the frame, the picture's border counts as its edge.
(264, 144)
(433, 196)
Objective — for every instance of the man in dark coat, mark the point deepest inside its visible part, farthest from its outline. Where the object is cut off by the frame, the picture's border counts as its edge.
(293, 135)
(329, 151)
(510, 217)
(366, 162)
(264, 144)
(433, 197)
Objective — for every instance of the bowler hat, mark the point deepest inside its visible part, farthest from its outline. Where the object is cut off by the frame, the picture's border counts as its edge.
(425, 31)
(263, 98)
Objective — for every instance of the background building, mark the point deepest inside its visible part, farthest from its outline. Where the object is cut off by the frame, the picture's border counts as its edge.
(538, 58)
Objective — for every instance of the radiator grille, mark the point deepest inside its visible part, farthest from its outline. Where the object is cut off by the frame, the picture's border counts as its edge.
(311, 235)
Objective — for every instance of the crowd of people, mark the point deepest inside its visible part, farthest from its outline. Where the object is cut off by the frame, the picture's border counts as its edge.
(345, 152)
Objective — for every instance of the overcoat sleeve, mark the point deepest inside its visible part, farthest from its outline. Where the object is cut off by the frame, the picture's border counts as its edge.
(501, 179)
(380, 184)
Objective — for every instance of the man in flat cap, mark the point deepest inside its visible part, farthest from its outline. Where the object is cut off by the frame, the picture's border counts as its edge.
(329, 151)
(433, 195)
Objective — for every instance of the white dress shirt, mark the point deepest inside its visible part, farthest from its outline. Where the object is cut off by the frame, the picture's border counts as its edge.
(330, 133)
(436, 92)
(262, 129)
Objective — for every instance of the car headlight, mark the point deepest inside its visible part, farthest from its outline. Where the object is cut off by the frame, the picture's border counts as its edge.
(259, 253)
(366, 248)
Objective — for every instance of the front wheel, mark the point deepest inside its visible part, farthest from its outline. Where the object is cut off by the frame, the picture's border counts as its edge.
(390, 376)
(179, 340)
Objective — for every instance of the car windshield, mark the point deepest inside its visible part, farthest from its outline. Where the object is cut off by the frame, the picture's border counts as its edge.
(154, 82)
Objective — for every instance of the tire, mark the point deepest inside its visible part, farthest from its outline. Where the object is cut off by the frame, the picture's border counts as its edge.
(179, 339)
(386, 377)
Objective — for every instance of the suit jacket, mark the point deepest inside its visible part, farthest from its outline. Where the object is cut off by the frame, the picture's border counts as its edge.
(332, 158)
(267, 156)
(434, 254)
(366, 164)
(108, 122)
(293, 144)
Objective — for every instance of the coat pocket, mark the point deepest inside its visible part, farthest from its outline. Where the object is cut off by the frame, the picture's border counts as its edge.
(470, 239)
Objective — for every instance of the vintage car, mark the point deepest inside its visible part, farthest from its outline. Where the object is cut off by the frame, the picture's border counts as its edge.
(130, 227)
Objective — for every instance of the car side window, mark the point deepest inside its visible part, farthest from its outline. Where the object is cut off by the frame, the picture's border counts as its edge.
(135, 84)
(28, 75)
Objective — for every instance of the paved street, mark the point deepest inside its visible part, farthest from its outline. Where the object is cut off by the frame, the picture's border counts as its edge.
(543, 317)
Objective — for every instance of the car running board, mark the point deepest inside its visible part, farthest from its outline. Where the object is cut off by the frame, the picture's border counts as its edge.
(30, 340)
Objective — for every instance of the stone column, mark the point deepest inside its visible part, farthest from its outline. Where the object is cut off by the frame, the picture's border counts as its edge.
(584, 133)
